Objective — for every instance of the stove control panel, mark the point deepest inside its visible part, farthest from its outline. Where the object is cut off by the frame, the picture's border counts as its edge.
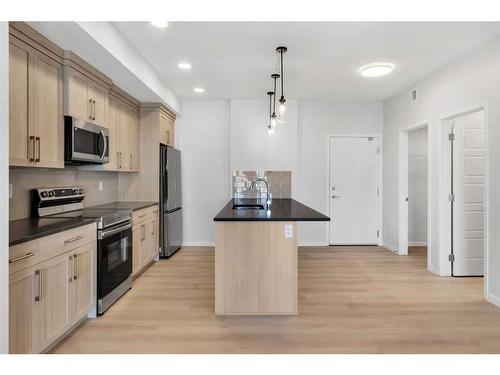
(70, 193)
(47, 201)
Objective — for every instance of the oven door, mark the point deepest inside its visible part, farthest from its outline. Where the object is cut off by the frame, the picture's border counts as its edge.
(85, 142)
(114, 260)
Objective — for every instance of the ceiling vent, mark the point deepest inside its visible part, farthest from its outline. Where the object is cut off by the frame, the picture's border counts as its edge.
(414, 95)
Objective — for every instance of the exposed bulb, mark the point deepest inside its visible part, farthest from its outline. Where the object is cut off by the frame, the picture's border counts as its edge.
(282, 108)
(273, 121)
(270, 130)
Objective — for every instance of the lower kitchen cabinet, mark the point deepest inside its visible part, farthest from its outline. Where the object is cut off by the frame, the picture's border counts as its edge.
(46, 299)
(145, 238)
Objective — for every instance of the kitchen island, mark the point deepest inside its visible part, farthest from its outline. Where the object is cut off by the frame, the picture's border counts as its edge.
(256, 258)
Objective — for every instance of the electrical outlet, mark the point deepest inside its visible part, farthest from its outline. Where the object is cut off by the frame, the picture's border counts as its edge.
(100, 186)
(11, 190)
(288, 231)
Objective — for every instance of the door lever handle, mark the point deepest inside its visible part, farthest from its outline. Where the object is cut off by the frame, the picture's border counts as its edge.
(335, 196)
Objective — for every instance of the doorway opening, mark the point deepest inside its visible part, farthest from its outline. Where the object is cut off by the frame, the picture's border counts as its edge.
(464, 193)
(414, 193)
(354, 190)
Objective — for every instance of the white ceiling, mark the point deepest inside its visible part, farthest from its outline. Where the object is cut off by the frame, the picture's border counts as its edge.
(235, 59)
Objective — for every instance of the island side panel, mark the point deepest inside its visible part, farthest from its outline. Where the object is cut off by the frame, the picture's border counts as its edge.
(256, 268)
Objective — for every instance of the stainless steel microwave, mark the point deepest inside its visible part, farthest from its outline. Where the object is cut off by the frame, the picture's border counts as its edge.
(84, 142)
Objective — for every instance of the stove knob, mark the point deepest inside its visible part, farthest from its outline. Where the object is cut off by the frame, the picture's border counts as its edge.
(75, 191)
(52, 193)
(81, 191)
(43, 194)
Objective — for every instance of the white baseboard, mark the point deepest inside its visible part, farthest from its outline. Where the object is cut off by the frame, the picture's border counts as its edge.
(313, 243)
(417, 243)
(198, 244)
(393, 248)
(433, 270)
(492, 299)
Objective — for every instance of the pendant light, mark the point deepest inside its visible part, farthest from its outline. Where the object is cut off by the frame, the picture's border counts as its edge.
(270, 126)
(274, 118)
(281, 108)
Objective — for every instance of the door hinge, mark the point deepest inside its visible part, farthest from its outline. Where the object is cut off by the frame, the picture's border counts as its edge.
(378, 192)
(378, 150)
(451, 197)
(378, 234)
(451, 136)
(370, 138)
(451, 257)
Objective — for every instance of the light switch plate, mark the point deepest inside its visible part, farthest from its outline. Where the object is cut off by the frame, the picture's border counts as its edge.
(288, 231)
(100, 186)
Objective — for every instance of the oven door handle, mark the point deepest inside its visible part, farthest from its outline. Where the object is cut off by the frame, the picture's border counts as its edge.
(106, 233)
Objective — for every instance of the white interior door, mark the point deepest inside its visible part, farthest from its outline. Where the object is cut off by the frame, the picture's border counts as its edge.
(354, 190)
(469, 166)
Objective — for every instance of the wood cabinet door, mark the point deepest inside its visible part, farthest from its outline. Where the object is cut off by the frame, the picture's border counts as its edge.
(112, 165)
(154, 239)
(100, 99)
(24, 310)
(78, 99)
(55, 297)
(163, 128)
(136, 249)
(20, 126)
(133, 128)
(83, 260)
(170, 132)
(48, 112)
(145, 252)
(122, 128)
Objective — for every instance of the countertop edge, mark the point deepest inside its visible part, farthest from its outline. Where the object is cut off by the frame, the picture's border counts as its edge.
(50, 232)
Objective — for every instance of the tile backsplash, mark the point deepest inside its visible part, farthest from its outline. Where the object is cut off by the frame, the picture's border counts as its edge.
(25, 179)
(280, 184)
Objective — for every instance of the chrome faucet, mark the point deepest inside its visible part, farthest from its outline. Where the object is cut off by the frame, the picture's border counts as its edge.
(268, 200)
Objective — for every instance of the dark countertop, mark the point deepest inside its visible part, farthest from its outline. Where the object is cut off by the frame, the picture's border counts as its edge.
(281, 210)
(24, 230)
(126, 205)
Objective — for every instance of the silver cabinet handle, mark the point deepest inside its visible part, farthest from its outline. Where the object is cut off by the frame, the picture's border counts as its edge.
(77, 265)
(37, 139)
(131, 161)
(93, 116)
(38, 288)
(90, 109)
(33, 150)
(25, 256)
(70, 266)
(42, 279)
(74, 239)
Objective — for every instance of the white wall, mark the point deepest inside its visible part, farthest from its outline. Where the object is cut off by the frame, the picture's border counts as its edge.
(204, 143)
(417, 187)
(317, 120)
(471, 81)
(4, 188)
(251, 147)
(218, 137)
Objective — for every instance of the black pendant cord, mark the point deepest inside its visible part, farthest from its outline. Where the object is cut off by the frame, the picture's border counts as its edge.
(275, 77)
(281, 51)
(270, 93)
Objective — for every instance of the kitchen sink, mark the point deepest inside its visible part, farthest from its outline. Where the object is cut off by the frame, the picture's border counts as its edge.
(248, 207)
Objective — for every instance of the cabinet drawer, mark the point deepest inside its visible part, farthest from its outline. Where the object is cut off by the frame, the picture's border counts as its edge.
(24, 255)
(146, 214)
(68, 240)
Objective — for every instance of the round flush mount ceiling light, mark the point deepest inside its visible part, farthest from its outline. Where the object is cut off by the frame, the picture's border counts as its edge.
(376, 69)
(160, 24)
(184, 66)
(199, 90)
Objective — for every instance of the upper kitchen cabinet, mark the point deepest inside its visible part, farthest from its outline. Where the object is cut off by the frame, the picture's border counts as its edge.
(164, 119)
(123, 124)
(36, 99)
(86, 94)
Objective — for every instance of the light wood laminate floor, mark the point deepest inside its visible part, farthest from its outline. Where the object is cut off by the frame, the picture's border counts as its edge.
(351, 300)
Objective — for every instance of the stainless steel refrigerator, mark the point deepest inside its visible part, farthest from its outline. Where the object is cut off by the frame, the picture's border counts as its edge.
(170, 201)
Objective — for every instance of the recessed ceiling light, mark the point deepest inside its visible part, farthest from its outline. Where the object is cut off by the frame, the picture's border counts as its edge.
(160, 24)
(199, 90)
(184, 65)
(376, 69)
